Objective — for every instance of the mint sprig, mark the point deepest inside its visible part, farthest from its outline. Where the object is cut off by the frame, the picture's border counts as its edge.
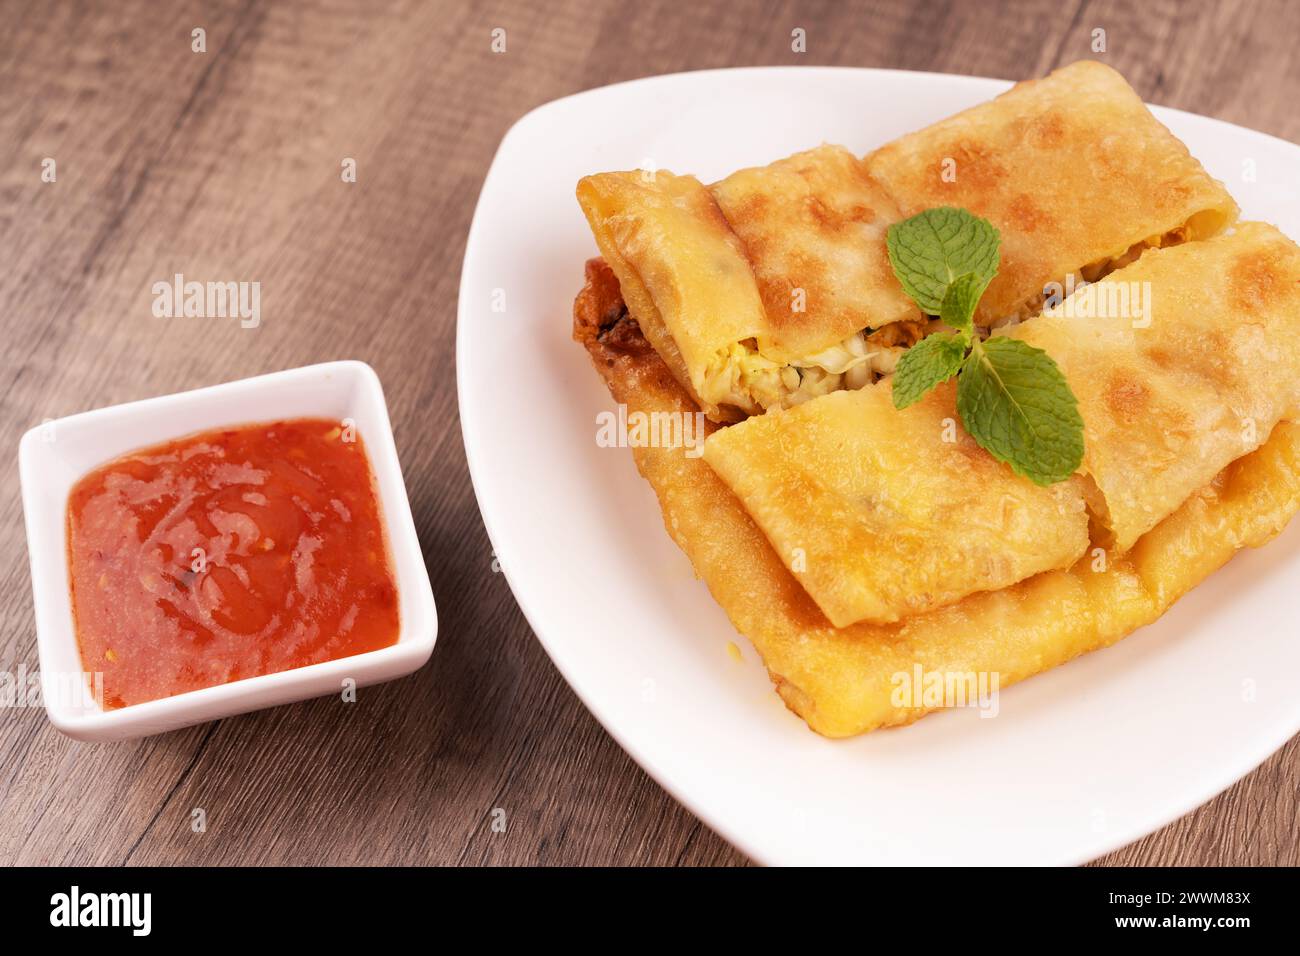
(1012, 398)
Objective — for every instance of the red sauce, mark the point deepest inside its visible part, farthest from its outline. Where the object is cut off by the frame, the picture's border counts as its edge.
(291, 566)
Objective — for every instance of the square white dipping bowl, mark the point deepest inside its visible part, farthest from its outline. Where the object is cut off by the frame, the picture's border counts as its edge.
(53, 456)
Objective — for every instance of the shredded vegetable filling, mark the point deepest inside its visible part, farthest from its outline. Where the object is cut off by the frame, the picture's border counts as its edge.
(742, 376)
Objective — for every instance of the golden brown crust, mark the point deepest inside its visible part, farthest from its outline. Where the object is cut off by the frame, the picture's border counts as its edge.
(1192, 375)
(682, 272)
(883, 513)
(813, 226)
(779, 262)
(1072, 169)
(756, 290)
(842, 680)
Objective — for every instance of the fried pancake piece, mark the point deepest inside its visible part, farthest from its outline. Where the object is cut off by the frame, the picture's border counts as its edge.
(841, 680)
(1073, 170)
(1173, 389)
(813, 226)
(761, 289)
(883, 513)
(683, 273)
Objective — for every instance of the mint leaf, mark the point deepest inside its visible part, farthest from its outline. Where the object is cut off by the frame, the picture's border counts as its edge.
(934, 359)
(932, 248)
(959, 302)
(1016, 403)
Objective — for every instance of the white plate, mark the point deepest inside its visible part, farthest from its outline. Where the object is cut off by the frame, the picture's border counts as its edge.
(1080, 760)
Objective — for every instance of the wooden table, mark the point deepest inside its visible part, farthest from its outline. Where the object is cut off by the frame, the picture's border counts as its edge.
(225, 164)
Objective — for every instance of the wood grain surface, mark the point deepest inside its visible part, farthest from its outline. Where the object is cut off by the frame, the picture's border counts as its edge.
(226, 164)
